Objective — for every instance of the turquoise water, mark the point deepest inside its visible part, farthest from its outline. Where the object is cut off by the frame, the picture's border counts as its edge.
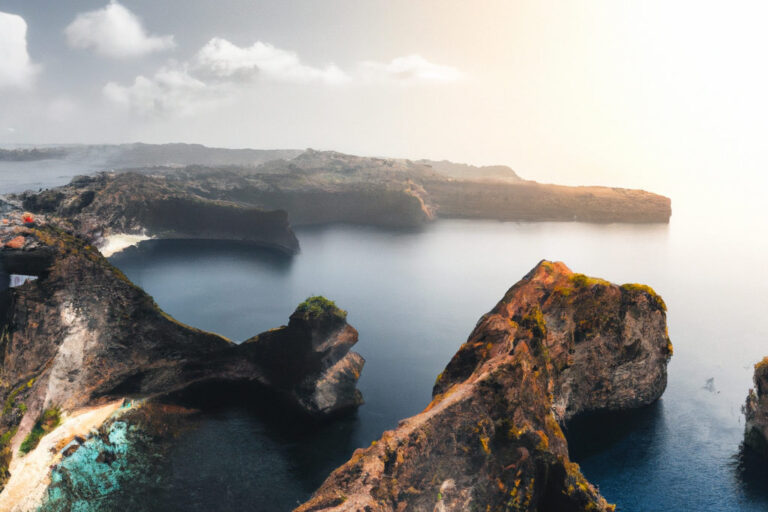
(414, 296)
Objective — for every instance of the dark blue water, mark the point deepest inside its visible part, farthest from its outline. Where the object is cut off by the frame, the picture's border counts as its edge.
(415, 296)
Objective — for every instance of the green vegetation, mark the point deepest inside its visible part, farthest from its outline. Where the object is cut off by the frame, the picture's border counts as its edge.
(645, 289)
(48, 420)
(762, 366)
(582, 281)
(318, 306)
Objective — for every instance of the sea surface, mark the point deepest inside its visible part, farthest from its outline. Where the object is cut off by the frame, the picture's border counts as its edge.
(415, 295)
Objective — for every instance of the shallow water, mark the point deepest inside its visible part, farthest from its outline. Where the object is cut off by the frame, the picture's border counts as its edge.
(414, 296)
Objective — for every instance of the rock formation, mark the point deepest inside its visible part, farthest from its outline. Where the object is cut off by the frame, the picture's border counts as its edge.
(756, 411)
(82, 333)
(558, 344)
(322, 187)
(98, 206)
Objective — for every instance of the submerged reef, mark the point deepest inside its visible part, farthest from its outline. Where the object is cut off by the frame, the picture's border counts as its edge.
(101, 471)
(557, 345)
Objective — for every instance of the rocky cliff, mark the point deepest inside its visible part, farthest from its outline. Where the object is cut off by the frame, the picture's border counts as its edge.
(531, 201)
(558, 344)
(106, 204)
(756, 411)
(322, 187)
(82, 334)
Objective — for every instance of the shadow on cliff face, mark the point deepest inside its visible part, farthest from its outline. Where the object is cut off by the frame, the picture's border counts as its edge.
(174, 251)
(594, 433)
(750, 470)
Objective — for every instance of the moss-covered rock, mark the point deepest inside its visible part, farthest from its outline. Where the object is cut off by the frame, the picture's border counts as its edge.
(492, 438)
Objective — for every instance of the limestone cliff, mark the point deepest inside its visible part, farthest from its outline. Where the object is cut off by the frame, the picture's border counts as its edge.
(82, 333)
(128, 203)
(322, 187)
(756, 411)
(558, 344)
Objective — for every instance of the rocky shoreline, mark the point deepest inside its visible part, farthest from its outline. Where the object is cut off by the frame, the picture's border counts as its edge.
(322, 187)
(80, 334)
(558, 344)
(756, 411)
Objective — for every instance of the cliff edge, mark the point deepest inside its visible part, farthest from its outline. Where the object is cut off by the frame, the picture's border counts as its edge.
(558, 344)
(75, 332)
(756, 411)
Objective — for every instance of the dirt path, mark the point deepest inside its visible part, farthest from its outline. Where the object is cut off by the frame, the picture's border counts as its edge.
(30, 474)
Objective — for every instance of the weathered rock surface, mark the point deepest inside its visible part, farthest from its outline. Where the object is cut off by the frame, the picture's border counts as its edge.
(322, 187)
(558, 344)
(82, 333)
(756, 411)
(129, 203)
(310, 359)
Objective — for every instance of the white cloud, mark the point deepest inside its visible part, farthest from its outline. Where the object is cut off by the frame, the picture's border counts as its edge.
(226, 60)
(114, 31)
(412, 68)
(222, 71)
(16, 68)
(169, 91)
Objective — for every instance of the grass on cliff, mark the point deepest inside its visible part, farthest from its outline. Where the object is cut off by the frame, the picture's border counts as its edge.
(648, 290)
(48, 420)
(319, 306)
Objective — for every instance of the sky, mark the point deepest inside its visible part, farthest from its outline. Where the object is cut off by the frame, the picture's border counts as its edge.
(666, 96)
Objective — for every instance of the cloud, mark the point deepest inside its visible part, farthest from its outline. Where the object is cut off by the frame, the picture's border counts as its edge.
(222, 71)
(169, 91)
(114, 31)
(226, 60)
(16, 68)
(412, 68)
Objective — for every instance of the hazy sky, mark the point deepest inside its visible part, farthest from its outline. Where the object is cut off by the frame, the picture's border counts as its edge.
(645, 94)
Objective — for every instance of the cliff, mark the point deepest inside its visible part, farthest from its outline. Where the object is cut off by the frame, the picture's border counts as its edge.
(756, 411)
(531, 201)
(558, 344)
(82, 334)
(323, 187)
(105, 204)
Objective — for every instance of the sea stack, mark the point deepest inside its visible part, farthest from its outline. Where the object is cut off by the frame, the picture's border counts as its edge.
(557, 345)
(756, 411)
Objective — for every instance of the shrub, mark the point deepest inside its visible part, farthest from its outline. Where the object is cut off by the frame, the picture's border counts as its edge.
(48, 420)
(646, 289)
(318, 306)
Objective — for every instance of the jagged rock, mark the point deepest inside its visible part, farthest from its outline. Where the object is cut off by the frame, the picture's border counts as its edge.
(310, 358)
(558, 344)
(756, 411)
(82, 333)
(131, 203)
(321, 187)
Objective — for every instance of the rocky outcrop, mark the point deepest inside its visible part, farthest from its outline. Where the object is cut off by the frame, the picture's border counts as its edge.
(310, 358)
(756, 411)
(531, 201)
(324, 187)
(106, 204)
(82, 333)
(557, 345)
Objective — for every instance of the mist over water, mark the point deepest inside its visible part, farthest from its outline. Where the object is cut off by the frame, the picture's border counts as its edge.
(415, 296)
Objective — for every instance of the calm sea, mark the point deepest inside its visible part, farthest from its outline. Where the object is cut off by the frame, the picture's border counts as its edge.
(414, 296)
